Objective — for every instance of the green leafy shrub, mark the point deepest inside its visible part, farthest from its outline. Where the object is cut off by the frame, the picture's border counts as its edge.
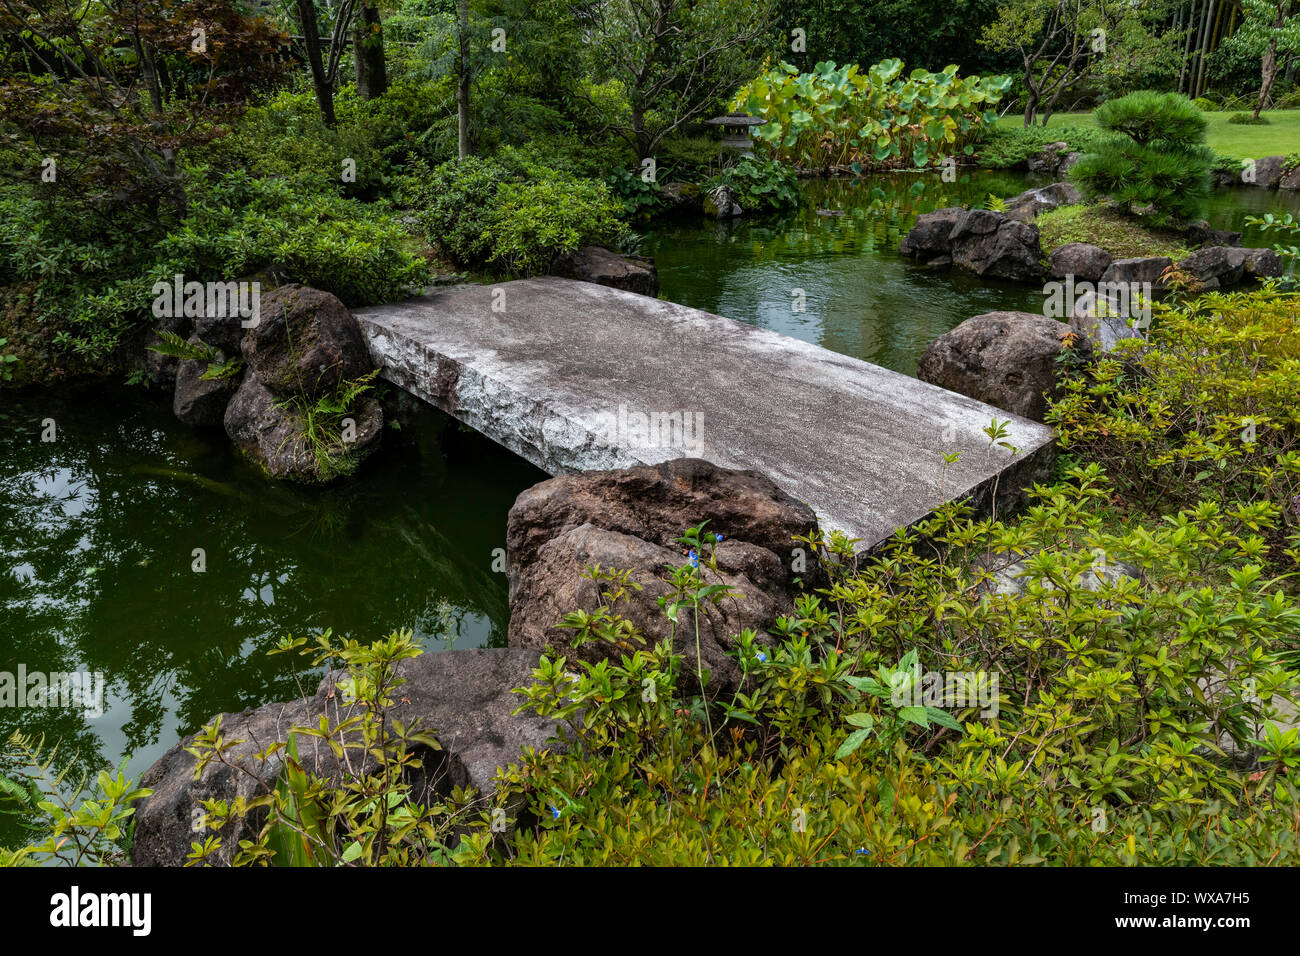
(285, 137)
(1155, 158)
(639, 198)
(841, 117)
(513, 214)
(1248, 119)
(1104, 746)
(534, 223)
(1206, 410)
(759, 185)
(239, 225)
(77, 821)
(369, 820)
(454, 203)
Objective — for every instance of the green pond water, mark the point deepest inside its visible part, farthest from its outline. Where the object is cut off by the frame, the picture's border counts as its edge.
(860, 297)
(98, 528)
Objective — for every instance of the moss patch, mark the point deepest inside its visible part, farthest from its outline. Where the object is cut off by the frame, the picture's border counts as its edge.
(1119, 235)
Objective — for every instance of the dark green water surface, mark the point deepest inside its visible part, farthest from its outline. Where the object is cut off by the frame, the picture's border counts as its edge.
(98, 530)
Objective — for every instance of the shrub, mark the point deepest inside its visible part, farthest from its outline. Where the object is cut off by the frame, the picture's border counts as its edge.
(1207, 410)
(1169, 120)
(454, 204)
(1248, 119)
(239, 225)
(1002, 147)
(759, 185)
(511, 214)
(820, 758)
(1155, 158)
(534, 223)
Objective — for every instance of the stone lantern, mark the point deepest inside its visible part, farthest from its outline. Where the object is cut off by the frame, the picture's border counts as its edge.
(735, 130)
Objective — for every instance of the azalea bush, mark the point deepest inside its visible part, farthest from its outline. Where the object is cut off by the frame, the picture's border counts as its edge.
(1130, 723)
(511, 214)
(1205, 409)
(845, 117)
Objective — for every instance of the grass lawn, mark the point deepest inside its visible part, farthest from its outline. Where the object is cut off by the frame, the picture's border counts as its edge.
(1280, 137)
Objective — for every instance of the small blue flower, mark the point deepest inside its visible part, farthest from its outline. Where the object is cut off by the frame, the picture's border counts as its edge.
(555, 812)
(695, 558)
(861, 851)
(717, 537)
(762, 658)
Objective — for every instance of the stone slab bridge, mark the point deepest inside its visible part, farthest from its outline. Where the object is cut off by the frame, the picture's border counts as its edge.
(574, 376)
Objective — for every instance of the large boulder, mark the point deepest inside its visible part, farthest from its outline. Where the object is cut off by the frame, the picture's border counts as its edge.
(1218, 267)
(464, 698)
(1199, 233)
(1141, 271)
(1266, 173)
(627, 519)
(682, 198)
(306, 342)
(1006, 359)
(991, 244)
(224, 332)
(1290, 178)
(1026, 206)
(721, 203)
(161, 368)
(1047, 160)
(270, 431)
(200, 402)
(1103, 318)
(930, 238)
(1087, 263)
(599, 265)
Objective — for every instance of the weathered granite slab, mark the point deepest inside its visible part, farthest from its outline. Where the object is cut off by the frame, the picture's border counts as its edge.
(568, 374)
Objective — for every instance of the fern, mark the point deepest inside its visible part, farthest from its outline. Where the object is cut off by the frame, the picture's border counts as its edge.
(226, 369)
(995, 203)
(177, 347)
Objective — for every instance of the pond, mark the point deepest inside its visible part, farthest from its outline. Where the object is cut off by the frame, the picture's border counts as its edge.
(98, 528)
(860, 297)
(97, 562)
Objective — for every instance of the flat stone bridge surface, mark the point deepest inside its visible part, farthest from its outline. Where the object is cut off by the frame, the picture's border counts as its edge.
(574, 376)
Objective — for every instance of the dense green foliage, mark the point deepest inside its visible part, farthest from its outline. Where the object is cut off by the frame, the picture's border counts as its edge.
(1206, 411)
(844, 117)
(1157, 157)
(1002, 147)
(88, 287)
(759, 186)
(514, 215)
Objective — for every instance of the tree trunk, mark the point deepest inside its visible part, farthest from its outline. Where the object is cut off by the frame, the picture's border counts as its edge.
(368, 51)
(1268, 66)
(311, 40)
(1268, 73)
(463, 148)
(175, 187)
